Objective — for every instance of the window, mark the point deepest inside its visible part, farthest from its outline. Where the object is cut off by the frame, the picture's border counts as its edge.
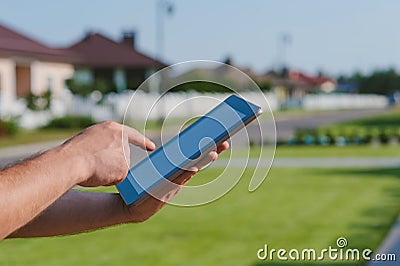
(119, 79)
(83, 76)
(50, 83)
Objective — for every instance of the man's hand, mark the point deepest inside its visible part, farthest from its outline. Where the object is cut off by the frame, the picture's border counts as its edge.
(94, 157)
(103, 146)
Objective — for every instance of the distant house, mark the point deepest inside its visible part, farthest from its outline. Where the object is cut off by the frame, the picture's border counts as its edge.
(291, 86)
(27, 65)
(118, 64)
(315, 83)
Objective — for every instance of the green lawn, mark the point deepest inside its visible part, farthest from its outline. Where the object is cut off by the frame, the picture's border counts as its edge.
(294, 208)
(391, 118)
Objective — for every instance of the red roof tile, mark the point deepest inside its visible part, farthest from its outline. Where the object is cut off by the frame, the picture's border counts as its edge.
(96, 50)
(13, 43)
(318, 80)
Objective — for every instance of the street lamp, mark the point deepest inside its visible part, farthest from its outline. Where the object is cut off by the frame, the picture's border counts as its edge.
(284, 39)
(163, 7)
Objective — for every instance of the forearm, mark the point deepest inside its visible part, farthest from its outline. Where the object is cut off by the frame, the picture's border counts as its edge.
(76, 212)
(29, 188)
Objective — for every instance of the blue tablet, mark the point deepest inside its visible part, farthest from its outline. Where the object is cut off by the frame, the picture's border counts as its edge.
(182, 151)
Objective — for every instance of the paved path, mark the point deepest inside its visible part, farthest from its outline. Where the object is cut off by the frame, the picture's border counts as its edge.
(314, 162)
(15, 153)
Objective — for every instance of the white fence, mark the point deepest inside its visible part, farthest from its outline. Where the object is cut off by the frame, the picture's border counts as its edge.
(141, 107)
(174, 105)
(344, 101)
(145, 106)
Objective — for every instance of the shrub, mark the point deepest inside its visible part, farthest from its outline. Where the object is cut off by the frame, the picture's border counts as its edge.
(8, 128)
(344, 135)
(84, 90)
(38, 102)
(70, 122)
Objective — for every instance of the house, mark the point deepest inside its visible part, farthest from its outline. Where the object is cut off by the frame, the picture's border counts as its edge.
(117, 64)
(291, 86)
(28, 66)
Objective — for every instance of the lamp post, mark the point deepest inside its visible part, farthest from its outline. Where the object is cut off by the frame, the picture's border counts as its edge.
(163, 7)
(284, 39)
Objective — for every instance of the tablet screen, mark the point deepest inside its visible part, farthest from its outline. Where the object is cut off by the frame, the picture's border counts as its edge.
(186, 146)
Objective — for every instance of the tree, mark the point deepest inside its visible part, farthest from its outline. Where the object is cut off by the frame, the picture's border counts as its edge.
(383, 82)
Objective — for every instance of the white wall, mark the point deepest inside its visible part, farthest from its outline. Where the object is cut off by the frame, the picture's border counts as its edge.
(7, 85)
(344, 101)
(179, 104)
(41, 72)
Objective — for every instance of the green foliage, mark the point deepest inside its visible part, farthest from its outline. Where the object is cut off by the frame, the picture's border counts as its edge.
(210, 87)
(345, 135)
(391, 119)
(38, 102)
(200, 86)
(84, 90)
(265, 85)
(382, 128)
(380, 82)
(70, 122)
(8, 128)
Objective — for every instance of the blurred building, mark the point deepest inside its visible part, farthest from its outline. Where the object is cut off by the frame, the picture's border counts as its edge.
(28, 66)
(292, 86)
(117, 64)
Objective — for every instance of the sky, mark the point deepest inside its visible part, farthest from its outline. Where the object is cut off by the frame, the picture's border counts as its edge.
(332, 36)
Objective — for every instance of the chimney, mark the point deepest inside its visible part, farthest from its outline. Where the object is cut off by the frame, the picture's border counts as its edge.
(128, 38)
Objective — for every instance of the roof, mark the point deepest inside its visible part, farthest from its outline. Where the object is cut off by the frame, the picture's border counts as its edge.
(96, 50)
(318, 80)
(13, 43)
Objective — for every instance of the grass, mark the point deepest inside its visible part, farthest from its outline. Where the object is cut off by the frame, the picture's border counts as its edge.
(388, 123)
(34, 136)
(391, 118)
(307, 208)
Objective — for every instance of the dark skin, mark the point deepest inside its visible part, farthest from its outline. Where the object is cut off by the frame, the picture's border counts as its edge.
(36, 198)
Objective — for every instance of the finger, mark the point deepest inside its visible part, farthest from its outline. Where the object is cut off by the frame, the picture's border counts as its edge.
(185, 176)
(212, 156)
(224, 146)
(138, 139)
(168, 188)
